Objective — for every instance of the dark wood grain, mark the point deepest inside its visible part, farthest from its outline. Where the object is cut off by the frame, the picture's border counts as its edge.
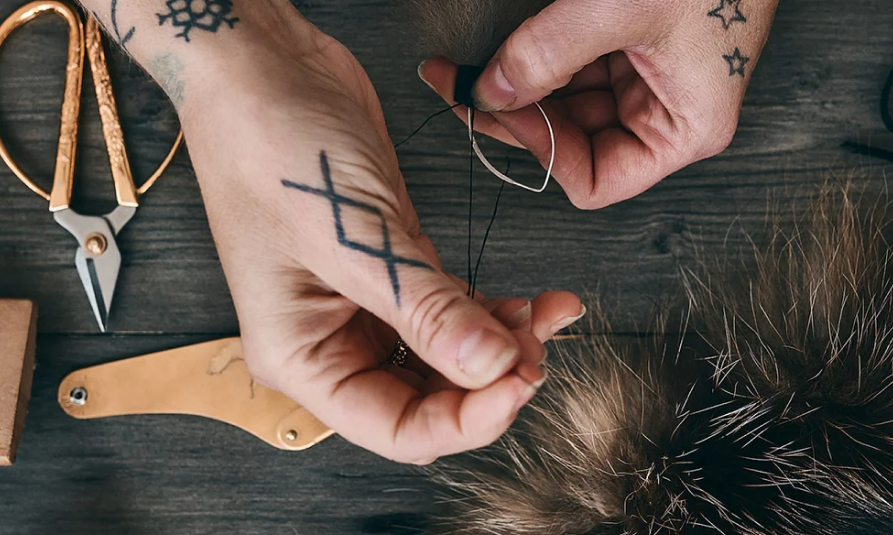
(817, 85)
(179, 475)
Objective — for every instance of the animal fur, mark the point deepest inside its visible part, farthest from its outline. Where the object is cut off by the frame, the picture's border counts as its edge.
(776, 419)
(469, 32)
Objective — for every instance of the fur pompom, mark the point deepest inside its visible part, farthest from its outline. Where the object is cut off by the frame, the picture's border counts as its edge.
(775, 419)
(469, 32)
(807, 345)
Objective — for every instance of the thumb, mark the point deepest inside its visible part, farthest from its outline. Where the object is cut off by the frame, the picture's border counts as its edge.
(450, 331)
(380, 267)
(545, 52)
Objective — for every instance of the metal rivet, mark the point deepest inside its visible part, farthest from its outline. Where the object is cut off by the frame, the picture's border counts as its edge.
(78, 396)
(292, 435)
(96, 244)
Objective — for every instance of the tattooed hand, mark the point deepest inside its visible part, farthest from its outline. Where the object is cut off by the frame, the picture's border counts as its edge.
(320, 242)
(635, 90)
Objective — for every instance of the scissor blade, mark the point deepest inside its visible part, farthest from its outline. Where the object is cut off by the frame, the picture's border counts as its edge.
(98, 272)
(99, 275)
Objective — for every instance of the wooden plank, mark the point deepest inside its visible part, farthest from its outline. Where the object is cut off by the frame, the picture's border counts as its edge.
(186, 475)
(818, 83)
(18, 335)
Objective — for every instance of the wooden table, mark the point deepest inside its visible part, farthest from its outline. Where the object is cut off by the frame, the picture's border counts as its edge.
(818, 83)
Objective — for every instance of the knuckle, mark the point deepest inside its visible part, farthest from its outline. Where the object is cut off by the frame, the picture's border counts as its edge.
(429, 316)
(722, 139)
(714, 141)
(714, 135)
(531, 59)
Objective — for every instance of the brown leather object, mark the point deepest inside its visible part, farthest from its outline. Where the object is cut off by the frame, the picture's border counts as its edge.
(208, 380)
(18, 339)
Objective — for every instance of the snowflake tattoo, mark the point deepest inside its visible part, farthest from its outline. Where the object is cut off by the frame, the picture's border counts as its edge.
(736, 63)
(728, 11)
(207, 15)
(339, 204)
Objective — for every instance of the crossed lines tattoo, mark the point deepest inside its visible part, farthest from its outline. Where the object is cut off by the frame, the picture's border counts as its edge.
(729, 12)
(385, 253)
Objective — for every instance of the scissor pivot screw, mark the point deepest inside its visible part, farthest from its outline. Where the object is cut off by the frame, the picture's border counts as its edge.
(78, 396)
(96, 244)
(291, 436)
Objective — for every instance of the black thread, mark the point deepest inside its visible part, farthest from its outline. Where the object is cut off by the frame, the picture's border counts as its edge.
(477, 268)
(470, 197)
(465, 80)
(424, 124)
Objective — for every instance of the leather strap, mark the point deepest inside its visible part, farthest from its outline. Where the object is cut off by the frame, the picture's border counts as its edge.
(208, 380)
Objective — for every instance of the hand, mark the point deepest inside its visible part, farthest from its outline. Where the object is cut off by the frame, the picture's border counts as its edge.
(326, 262)
(636, 91)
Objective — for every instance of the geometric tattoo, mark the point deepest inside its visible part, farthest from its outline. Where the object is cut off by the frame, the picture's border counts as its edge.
(338, 202)
(122, 39)
(206, 15)
(729, 12)
(736, 63)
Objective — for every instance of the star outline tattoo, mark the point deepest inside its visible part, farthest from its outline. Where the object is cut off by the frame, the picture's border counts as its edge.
(719, 12)
(386, 253)
(736, 62)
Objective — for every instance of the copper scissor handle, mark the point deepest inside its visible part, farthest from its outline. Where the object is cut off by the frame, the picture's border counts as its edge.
(63, 176)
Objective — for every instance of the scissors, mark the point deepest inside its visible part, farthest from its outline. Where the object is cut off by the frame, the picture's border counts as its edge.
(98, 259)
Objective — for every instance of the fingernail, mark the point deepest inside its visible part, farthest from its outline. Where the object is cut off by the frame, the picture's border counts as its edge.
(421, 71)
(485, 351)
(519, 318)
(567, 322)
(531, 373)
(493, 92)
(525, 398)
(538, 384)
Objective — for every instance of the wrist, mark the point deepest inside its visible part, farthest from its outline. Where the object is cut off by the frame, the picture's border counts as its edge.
(268, 42)
(193, 49)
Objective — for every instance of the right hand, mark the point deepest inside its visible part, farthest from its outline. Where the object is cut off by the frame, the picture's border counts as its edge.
(326, 261)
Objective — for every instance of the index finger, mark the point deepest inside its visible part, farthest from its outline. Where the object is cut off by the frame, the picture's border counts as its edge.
(613, 165)
(377, 411)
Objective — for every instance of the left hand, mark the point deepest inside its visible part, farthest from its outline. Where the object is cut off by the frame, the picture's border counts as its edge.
(636, 90)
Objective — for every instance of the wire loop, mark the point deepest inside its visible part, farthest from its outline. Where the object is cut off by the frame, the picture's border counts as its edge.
(502, 176)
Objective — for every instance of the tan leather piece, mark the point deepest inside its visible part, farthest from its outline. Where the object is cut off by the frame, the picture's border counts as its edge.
(18, 339)
(208, 380)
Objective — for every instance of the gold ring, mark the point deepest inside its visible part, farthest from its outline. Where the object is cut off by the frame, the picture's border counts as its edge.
(399, 354)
